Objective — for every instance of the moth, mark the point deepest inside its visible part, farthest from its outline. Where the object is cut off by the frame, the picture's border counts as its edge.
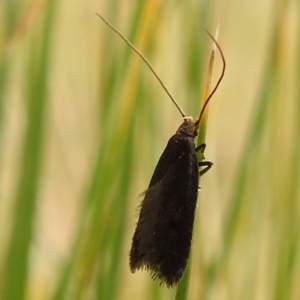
(162, 239)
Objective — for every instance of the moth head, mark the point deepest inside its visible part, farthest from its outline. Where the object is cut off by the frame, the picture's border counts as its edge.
(188, 127)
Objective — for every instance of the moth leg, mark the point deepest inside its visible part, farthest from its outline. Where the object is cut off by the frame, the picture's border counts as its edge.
(200, 148)
(206, 164)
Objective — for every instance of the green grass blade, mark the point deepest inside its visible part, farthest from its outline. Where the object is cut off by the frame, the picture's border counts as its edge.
(16, 271)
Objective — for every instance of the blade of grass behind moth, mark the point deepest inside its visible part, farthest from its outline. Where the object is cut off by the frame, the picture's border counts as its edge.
(182, 290)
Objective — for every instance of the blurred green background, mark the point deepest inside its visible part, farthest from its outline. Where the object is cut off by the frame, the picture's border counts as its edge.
(83, 123)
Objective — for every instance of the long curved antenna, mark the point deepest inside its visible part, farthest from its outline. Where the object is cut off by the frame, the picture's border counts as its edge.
(218, 82)
(145, 60)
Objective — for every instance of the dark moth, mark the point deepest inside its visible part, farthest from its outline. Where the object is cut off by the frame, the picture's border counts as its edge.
(163, 235)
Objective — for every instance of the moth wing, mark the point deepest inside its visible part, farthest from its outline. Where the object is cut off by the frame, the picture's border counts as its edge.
(162, 239)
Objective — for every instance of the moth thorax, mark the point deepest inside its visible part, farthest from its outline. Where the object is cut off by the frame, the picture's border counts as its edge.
(187, 128)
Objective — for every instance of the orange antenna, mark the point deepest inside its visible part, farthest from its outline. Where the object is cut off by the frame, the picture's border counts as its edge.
(218, 82)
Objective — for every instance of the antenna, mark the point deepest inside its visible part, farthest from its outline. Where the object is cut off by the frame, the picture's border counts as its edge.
(218, 82)
(145, 60)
